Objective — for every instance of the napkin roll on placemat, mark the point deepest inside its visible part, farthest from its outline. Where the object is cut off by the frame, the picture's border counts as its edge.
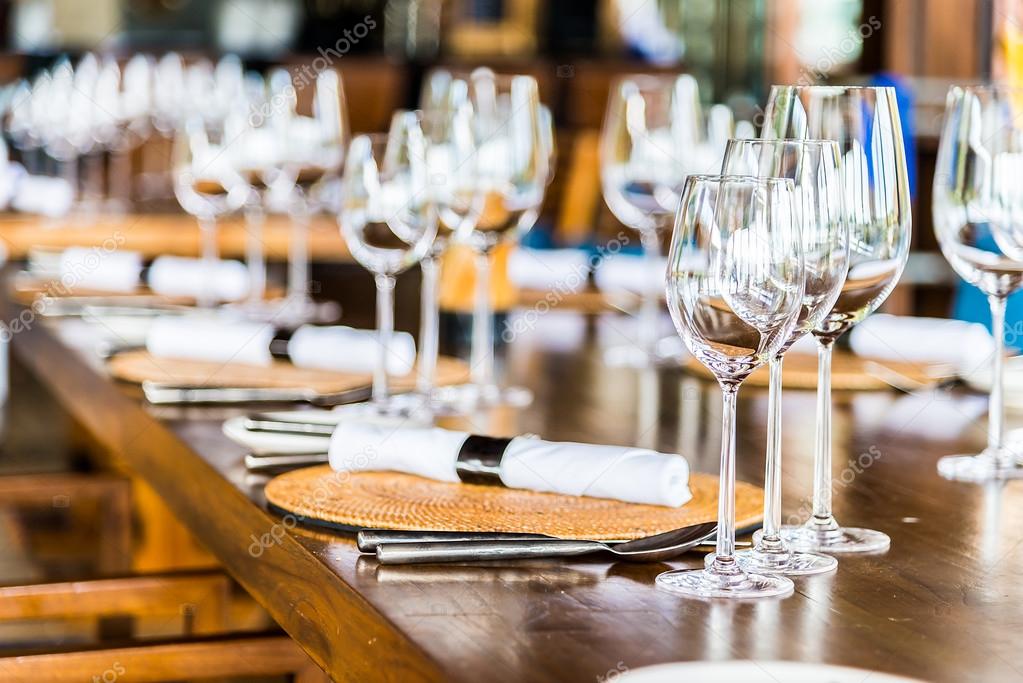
(113, 270)
(633, 475)
(338, 348)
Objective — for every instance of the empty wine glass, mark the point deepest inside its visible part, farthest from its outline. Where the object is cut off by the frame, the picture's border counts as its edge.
(652, 125)
(389, 224)
(511, 171)
(448, 124)
(313, 150)
(813, 167)
(865, 123)
(978, 219)
(207, 185)
(734, 288)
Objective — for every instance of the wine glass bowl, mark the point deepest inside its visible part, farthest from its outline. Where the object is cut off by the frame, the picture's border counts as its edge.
(734, 287)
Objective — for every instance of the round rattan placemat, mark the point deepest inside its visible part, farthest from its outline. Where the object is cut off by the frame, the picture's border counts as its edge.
(389, 500)
(848, 372)
(139, 366)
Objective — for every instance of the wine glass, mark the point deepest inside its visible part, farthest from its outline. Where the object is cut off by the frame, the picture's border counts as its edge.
(734, 288)
(389, 224)
(511, 171)
(448, 122)
(814, 168)
(865, 123)
(976, 204)
(313, 156)
(207, 185)
(652, 123)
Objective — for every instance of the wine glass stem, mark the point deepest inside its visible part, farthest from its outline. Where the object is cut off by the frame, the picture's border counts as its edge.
(996, 408)
(429, 329)
(725, 550)
(772, 468)
(649, 306)
(69, 171)
(298, 261)
(210, 256)
(481, 355)
(385, 329)
(822, 461)
(254, 259)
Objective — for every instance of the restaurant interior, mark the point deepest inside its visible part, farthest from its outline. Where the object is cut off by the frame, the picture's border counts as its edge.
(510, 340)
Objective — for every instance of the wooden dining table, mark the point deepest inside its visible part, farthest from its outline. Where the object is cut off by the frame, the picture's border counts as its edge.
(945, 603)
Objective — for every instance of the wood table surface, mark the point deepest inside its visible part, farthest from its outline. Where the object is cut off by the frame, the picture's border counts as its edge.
(944, 604)
(163, 233)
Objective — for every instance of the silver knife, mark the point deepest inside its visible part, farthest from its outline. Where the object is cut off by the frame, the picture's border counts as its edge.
(164, 394)
(256, 462)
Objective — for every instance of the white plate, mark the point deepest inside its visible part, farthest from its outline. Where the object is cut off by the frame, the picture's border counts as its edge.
(755, 672)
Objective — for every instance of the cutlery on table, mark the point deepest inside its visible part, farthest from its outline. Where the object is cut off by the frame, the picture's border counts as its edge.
(650, 549)
(165, 394)
(256, 462)
(257, 423)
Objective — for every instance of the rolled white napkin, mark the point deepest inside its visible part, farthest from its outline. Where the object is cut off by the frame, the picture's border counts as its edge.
(560, 270)
(43, 195)
(927, 340)
(187, 277)
(100, 269)
(633, 475)
(343, 349)
(346, 349)
(630, 274)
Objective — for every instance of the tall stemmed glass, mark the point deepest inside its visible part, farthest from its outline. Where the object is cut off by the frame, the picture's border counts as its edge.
(813, 166)
(978, 219)
(652, 123)
(314, 152)
(207, 186)
(735, 288)
(448, 124)
(389, 224)
(865, 124)
(511, 176)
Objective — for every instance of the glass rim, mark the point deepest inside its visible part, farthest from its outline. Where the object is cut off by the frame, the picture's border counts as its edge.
(832, 87)
(724, 178)
(990, 87)
(650, 77)
(813, 142)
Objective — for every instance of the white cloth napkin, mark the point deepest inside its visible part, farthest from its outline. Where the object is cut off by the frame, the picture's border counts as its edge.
(630, 274)
(633, 475)
(100, 269)
(966, 346)
(42, 195)
(343, 349)
(187, 277)
(561, 270)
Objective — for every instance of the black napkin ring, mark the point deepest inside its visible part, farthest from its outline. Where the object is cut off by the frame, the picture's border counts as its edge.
(479, 460)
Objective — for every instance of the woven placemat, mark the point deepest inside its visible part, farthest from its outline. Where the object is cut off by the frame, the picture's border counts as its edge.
(849, 372)
(139, 366)
(389, 500)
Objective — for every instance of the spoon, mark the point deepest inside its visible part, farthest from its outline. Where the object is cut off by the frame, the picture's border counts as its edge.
(650, 549)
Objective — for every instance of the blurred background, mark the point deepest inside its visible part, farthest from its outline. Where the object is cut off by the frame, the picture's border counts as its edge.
(735, 49)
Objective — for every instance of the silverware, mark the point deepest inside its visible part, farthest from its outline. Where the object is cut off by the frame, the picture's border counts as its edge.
(257, 423)
(163, 394)
(256, 462)
(650, 549)
(369, 539)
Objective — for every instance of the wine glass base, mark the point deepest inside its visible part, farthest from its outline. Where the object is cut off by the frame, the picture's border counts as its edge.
(463, 398)
(786, 562)
(983, 467)
(840, 540)
(668, 352)
(401, 410)
(707, 583)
